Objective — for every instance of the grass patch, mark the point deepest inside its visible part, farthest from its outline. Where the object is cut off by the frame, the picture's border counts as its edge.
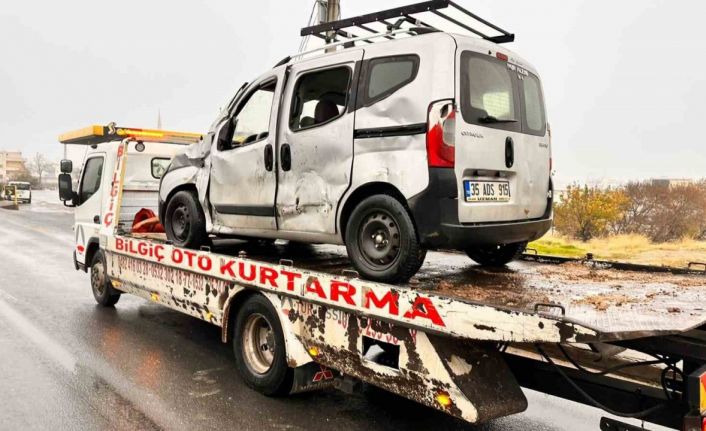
(625, 248)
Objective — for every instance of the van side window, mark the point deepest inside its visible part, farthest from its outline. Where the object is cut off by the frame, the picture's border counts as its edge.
(388, 74)
(319, 97)
(254, 116)
(91, 181)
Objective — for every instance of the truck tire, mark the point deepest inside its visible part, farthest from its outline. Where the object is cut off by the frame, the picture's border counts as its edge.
(184, 220)
(259, 348)
(382, 241)
(102, 288)
(496, 255)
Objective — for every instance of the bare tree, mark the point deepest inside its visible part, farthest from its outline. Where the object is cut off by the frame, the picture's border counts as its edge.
(40, 165)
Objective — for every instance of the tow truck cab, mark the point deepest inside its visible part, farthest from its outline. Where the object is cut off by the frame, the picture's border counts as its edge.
(149, 154)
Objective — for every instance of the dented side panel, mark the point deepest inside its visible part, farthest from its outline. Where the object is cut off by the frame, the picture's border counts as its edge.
(308, 192)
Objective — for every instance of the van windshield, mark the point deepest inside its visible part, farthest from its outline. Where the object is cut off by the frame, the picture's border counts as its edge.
(498, 94)
(20, 186)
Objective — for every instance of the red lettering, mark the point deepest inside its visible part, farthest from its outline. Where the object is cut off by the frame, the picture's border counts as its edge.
(131, 247)
(241, 272)
(108, 219)
(159, 252)
(313, 286)
(190, 257)
(227, 268)
(424, 308)
(390, 299)
(119, 244)
(291, 276)
(142, 248)
(268, 275)
(344, 290)
(177, 256)
(205, 263)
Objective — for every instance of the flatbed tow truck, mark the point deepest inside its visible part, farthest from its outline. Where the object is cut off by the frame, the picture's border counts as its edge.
(458, 337)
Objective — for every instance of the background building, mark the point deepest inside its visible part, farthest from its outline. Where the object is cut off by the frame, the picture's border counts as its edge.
(671, 182)
(11, 165)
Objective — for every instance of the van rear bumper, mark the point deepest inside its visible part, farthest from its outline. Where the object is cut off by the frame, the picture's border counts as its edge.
(462, 236)
(435, 214)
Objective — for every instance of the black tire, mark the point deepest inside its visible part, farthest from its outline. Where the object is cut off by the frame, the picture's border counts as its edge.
(278, 378)
(496, 255)
(184, 221)
(382, 242)
(102, 288)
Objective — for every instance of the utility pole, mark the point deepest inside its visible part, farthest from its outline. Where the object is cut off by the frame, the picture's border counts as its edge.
(330, 10)
(333, 10)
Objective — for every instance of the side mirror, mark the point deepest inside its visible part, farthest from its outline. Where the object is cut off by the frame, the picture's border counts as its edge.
(67, 166)
(66, 192)
(225, 136)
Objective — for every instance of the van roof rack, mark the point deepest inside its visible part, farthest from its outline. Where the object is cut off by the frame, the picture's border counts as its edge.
(407, 19)
(93, 135)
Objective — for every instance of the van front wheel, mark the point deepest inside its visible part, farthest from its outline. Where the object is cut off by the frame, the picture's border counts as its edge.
(184, 220)
(382, 242)
(496, 255)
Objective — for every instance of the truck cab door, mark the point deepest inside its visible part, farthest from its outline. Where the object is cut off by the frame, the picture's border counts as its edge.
(315, 151)
(243, 180)
(88, 211)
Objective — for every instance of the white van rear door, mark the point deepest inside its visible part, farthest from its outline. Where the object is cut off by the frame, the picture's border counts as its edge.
(502, 172)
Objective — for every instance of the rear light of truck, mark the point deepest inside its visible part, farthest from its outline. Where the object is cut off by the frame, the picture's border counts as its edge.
(441, 134)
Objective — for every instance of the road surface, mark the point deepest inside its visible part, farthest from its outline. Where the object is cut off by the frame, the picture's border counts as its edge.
(66, 363)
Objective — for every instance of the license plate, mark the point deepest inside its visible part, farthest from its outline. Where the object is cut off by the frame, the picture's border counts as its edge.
(487, 191)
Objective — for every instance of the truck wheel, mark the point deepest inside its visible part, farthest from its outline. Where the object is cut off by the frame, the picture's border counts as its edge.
(382, 241)
(102, 288)
(496, 255)
(184, 221)
(260, 352)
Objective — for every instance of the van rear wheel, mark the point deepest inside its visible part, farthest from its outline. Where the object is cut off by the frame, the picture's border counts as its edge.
(184, 220)
(382, 242)
(496, 255)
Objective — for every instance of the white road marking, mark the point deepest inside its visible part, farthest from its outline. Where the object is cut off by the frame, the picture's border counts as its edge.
(37, 337)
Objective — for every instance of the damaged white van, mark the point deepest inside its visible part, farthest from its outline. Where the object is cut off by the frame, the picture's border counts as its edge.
(405, 140)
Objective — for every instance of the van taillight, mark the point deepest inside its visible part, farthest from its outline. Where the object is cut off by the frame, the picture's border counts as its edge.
(441, 134)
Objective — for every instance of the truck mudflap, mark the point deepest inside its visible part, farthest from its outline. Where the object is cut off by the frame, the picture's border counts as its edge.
(466, 379)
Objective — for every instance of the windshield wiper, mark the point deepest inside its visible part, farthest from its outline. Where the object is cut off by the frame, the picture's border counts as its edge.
(488, 119)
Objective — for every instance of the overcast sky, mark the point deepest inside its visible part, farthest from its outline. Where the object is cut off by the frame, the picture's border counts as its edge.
(624, 80)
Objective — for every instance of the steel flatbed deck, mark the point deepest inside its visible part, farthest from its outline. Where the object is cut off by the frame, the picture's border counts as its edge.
(617, 303)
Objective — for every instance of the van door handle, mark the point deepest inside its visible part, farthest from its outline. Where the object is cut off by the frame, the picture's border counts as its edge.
(97, 219)
(286, 157)
(509, 152)
(269, 157)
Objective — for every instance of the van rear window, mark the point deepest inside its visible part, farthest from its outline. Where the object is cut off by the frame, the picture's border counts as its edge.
(500, 95)
(535, 121)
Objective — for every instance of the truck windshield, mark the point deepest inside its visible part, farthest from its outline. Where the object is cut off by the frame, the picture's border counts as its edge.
(22, 186)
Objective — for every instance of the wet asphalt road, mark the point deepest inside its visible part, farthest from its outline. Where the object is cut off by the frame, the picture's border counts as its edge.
(67, 364)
